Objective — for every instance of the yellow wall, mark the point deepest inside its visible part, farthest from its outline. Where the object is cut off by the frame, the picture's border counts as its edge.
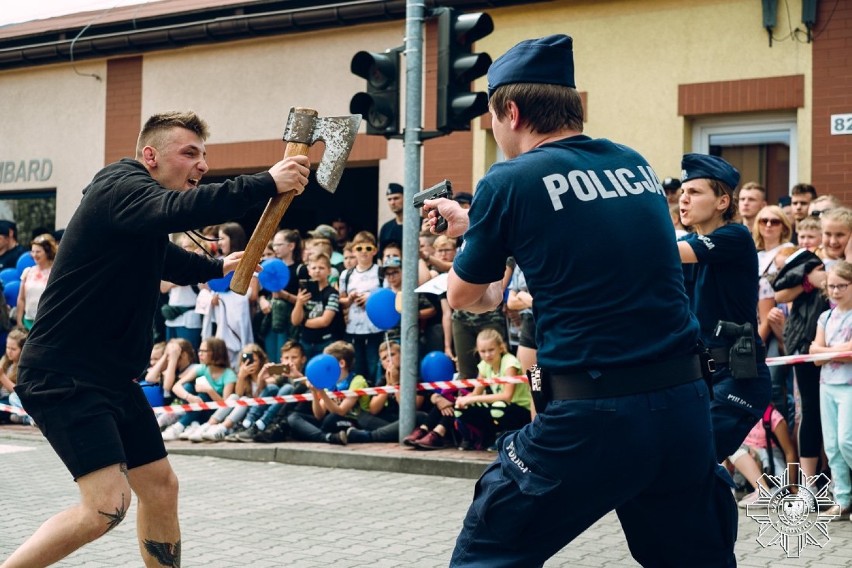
(54, 113)
(630, 56)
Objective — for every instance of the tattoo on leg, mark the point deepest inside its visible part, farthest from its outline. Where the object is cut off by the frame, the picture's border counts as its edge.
(165, 553)
(122, 467)
(117, 517)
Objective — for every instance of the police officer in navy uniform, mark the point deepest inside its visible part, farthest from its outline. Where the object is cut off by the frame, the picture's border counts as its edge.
(720, 260)
(623, 412)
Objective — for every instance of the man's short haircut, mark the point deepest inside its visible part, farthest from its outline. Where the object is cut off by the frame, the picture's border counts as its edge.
(544, 108)
(822, 199)
(753, 185)
(157, 126)
(342, 351)
(802, 188)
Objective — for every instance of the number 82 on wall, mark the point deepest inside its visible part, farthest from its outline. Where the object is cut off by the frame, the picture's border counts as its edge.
(841, 123)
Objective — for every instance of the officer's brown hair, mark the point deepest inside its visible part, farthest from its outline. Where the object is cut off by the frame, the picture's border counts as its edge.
(544, 108)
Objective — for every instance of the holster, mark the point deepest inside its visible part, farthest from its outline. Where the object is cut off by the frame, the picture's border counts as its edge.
(540, 387)
(708, 367)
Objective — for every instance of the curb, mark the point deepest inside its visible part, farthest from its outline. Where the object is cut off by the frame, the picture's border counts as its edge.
(362, 459)
(368, 457)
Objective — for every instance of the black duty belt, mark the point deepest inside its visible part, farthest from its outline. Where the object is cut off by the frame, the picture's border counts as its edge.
(722, 355)
(623, 381)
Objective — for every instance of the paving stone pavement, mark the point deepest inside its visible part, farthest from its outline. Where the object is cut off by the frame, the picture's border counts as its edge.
(258, 514)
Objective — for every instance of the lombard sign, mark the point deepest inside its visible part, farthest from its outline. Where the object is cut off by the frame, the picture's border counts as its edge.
(26, 170)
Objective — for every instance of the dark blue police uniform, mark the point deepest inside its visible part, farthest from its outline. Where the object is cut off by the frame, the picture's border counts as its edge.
(588, 223)
(723, 286)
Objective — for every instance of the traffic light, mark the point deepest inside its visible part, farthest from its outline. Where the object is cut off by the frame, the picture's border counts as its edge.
(380, 104)
(458, 66)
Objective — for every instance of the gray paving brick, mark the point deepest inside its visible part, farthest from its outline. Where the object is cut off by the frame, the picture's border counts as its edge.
(255, 513)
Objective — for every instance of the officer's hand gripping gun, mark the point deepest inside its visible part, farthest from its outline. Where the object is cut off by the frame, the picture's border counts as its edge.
(437, 191)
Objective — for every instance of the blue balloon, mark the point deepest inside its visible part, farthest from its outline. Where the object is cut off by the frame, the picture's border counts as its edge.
(24, 261)
(381, 309)
(323, 371)
(10, 292)
(275, 275)
(221, 284)
(436, 366)
(9, 275)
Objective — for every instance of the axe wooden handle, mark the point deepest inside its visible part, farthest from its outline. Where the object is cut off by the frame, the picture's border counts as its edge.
(265, 229)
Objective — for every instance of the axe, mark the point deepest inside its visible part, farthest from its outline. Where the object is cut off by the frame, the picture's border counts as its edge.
(304, 128)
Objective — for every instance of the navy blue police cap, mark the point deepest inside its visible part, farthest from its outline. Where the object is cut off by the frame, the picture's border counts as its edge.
(703, 166)
(548, 60)
(393, 188)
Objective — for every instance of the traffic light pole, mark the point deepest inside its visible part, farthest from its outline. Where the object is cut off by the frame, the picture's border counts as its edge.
(415, 15)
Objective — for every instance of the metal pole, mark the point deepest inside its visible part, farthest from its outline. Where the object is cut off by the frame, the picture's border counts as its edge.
(414, 16)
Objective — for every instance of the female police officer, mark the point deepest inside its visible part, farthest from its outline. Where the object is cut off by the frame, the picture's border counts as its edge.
(723, 288)
(614, 334)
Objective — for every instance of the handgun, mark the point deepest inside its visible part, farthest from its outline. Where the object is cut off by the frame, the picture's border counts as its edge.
(442, 189)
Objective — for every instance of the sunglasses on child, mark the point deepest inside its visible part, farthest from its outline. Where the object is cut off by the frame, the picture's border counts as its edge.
(769, 222)
(363, 248)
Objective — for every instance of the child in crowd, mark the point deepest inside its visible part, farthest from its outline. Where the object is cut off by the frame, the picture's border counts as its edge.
(181, 319)
(809, 234)
(753, 457)
(317, 310)
(9, 374)
(445, 252)
(356, 285)
(834, 334)
(269, 423)
(252, 377)
(178, 355)
(323, 246)
(211, 379)
(331, 418)
(836, 230)
(382, 424)
(349, 259)
(506, 407)
(427, 248)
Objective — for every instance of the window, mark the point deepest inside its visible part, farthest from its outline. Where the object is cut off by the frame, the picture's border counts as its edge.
(762, 148)
(32, 211)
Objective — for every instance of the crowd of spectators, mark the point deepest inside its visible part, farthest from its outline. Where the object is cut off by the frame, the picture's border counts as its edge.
(217, 345)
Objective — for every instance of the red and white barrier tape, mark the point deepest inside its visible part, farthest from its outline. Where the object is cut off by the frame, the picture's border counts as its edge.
(266, 400)
(439, 385)
(796, 359)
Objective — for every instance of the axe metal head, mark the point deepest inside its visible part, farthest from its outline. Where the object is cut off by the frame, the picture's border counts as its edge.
(337, 132)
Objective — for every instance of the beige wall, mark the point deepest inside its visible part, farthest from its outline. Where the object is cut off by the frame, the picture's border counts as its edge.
(245, 89)
(630, 57)
(53, 113)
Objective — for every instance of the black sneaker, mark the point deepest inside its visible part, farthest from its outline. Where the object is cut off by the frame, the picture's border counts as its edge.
(248, 434)
(356, 436)
(272, 434)
(337, 438)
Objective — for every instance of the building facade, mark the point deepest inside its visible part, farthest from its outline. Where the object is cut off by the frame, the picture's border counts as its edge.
(663, 76)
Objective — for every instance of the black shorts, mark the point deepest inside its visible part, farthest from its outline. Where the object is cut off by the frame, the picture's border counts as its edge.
(526, 337)
(91, 426)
